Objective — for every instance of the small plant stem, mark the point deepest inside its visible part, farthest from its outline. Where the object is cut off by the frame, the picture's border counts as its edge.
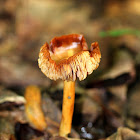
(67, 108)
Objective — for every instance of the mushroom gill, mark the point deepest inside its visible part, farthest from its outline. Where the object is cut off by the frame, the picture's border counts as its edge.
(68, 58)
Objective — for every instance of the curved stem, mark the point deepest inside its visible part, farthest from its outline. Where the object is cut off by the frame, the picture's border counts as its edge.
(67, 108)
(33, 110)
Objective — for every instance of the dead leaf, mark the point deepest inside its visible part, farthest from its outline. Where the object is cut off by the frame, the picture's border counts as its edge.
(9, 96)
(121, 72)
(119, 91)
(134, 101)
(124, 134)
(90, 109)
(5, 136)
(15, 72)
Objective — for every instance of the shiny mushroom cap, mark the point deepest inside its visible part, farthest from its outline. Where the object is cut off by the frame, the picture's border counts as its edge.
(67, 58)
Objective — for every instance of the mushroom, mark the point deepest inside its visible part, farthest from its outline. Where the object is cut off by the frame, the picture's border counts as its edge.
(33, 110)
(68, 58)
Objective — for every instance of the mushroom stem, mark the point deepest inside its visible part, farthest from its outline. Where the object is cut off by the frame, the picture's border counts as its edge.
(67, 108)
(33, 110)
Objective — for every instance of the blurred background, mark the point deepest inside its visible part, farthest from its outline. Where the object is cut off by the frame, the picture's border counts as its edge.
(109, 98)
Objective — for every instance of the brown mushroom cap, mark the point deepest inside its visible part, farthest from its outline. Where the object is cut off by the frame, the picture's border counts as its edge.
(67, 57)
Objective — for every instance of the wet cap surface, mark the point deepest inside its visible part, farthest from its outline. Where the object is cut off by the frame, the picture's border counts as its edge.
(68, 58)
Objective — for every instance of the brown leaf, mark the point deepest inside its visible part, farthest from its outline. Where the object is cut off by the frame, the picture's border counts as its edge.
(5, 136)
(91, 110)
(121, 72)
(58, 138)
(134, 101)
(122, 63)
(124, 134)
(15, 72)
(119, 91)
(9, 96)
